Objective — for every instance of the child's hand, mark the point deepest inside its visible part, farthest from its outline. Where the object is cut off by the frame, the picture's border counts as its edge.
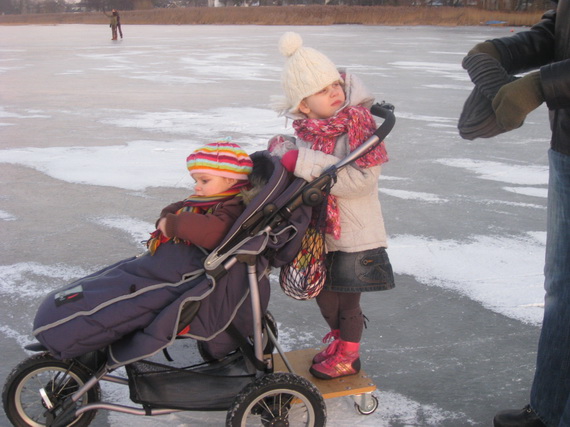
(162, 227)
(289, 160)
(280, 144)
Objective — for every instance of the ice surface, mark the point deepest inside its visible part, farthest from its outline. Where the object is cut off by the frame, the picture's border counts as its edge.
(93, 140)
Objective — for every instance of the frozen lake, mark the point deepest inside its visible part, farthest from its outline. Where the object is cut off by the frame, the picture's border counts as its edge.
(93, 140)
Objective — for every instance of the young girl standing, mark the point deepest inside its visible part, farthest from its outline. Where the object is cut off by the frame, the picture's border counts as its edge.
(331, 117)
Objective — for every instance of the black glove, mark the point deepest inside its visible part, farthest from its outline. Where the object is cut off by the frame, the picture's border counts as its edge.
(516, 99)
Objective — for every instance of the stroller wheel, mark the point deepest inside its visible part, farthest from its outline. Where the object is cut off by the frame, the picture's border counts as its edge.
(41, 379)
(278, 399)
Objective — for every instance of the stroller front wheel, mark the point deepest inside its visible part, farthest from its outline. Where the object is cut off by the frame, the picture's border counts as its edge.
(42, 378)
(278, 399)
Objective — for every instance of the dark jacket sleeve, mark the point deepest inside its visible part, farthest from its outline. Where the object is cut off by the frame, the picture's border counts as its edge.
(555, 79)
(206, 230)
(528, 50)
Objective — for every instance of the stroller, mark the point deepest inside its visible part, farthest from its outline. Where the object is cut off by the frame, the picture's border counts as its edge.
(56, 388)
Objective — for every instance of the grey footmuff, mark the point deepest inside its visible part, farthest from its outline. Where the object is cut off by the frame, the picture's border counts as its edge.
(477, 119)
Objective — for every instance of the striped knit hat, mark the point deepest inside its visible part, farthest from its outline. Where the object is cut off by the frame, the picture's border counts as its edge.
(220, 158)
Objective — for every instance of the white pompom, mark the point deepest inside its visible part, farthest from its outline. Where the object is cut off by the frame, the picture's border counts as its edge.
(289, 43)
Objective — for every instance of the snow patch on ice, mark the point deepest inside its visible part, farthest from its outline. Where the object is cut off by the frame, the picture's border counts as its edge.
(33, 280)
(139, 230)
(421, 65)
(502, 172)
(106, 166)
(452, 87)
(396, 409)
(504, 274)
(29, 114)
(294, 339)
(230, 66)
(528, 191)
(428, 119)
(22, 340)
(5, 216)
(207, 125)
(413, 195)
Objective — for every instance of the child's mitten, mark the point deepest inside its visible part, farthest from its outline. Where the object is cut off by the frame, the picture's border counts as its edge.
(289, 160)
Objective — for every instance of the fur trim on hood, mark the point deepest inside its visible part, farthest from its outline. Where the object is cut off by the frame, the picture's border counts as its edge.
(257, 183)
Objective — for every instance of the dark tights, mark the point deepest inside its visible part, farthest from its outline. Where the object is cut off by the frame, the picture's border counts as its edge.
(341, 310)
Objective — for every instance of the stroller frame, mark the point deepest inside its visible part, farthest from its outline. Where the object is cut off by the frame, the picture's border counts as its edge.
(264, 387)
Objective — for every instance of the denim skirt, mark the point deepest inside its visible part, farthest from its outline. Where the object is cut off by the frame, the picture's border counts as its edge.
(364, 271)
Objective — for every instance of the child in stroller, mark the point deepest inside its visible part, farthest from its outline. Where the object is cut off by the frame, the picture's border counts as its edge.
(186, 231)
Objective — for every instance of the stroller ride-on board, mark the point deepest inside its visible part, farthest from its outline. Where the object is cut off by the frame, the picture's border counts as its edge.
(45, 390)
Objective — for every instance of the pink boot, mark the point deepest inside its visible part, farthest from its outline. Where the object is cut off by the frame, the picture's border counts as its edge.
(331, 348)
(346, 361)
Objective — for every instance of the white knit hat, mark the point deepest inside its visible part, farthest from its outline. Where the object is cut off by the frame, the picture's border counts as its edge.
(306, 71)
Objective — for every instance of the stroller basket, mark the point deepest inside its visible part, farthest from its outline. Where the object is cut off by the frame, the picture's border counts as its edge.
(212, 386)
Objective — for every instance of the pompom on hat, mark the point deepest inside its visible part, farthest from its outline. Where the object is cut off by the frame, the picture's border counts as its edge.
(221, 158)
(306, 71)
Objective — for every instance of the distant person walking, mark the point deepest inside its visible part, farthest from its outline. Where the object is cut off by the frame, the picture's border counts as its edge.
(115, 23)
(118, 23)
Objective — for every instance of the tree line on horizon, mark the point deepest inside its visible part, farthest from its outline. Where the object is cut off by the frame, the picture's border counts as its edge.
(63, 6)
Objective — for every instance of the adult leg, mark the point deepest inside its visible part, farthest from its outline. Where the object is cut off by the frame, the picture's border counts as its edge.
(551, 386)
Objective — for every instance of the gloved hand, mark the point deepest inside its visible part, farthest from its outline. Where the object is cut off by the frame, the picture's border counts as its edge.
(486, 47)
(516, 99)
(281, 144)
(289, 160)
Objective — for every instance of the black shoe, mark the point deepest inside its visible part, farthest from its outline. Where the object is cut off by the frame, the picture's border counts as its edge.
(524, 417)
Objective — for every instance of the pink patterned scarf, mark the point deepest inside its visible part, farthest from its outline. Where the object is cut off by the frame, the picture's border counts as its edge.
(359, 125)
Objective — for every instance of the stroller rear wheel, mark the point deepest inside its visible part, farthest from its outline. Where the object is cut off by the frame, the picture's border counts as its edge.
(40, 379)
(278, 400)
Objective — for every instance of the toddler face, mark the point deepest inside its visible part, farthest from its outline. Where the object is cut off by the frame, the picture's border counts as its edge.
(325, 103)
(209, 185)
